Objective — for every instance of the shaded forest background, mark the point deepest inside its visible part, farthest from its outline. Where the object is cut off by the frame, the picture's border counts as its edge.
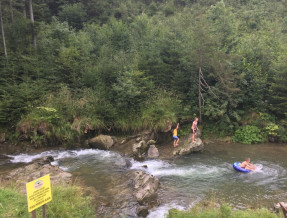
(131, 65)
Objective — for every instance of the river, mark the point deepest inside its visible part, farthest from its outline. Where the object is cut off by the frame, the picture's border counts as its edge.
(186, 180)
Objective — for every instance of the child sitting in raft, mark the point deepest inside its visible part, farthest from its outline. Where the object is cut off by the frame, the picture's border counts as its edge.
(247, 165)
(175, 137)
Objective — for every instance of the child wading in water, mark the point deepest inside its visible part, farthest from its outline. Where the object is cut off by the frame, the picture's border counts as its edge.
(194, 128)
(175, 137)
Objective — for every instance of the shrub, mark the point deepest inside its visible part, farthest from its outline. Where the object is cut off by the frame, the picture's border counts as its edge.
(272, 129)
(249, 135)
(282, 131)
(161, 108)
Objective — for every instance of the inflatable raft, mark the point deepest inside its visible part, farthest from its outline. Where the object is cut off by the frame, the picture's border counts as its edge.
(237, 167)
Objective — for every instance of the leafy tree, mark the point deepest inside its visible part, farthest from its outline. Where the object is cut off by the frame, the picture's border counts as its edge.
(74, 14)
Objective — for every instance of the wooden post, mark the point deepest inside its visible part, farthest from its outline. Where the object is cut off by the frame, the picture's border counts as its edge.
(44, 210)
(284, 208)
(34, 215)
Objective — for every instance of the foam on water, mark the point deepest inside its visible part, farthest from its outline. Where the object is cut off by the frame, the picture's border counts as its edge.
(266, 173)
(161, 168)
(60, 155)
(162, 211)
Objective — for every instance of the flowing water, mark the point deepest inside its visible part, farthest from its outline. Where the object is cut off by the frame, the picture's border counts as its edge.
(186, 180)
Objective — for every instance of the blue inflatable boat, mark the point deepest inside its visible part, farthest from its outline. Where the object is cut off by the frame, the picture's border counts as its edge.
(237, 167)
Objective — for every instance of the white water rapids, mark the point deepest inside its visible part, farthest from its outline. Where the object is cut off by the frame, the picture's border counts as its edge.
(187, 180)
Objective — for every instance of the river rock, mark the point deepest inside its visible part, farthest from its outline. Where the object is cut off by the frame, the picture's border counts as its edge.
(103, 142)
(142, 211)
(139, 149)
(33, 171)
(128, 163)
(189, 147)
(145, 186)
(152, 152)
(2, 137)
(138, 139)
(44, 160)
(151, 142)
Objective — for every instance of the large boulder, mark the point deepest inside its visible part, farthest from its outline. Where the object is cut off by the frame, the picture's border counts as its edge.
(152, 152)
(103, 142)
(145, 186)
(189, 147)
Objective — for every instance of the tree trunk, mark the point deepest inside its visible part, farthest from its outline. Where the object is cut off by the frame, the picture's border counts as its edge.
(32, 21)
(2, 31)
(11, 11)
(24, 9)
(31, 11)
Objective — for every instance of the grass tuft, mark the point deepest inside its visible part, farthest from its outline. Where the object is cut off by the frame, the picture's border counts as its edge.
(67, 202)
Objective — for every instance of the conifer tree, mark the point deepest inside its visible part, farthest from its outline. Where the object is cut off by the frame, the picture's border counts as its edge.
(279, 89)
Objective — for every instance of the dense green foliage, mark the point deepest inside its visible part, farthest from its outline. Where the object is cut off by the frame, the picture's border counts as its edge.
(125, 66)
(223, 212)
(67, 202)
(248, 135)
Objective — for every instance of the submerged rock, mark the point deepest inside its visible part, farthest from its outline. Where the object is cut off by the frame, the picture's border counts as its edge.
(128, 163)
(189, 147)
(44, 160)
(152, 152)
(142, 211)
(103, 142)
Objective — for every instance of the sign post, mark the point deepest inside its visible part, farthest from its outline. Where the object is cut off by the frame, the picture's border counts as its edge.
(38, 194)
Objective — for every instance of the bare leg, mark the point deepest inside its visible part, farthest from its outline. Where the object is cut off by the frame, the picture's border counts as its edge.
(177, 142)
(250, 168)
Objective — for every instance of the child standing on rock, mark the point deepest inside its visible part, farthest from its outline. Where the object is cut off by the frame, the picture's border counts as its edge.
(175, 137)
(194, 128)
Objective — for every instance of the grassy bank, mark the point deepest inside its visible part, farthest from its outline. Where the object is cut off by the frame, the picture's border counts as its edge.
(67, 202)
(224, 211)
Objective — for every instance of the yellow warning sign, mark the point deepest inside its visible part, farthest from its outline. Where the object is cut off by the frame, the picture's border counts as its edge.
(38, 192)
